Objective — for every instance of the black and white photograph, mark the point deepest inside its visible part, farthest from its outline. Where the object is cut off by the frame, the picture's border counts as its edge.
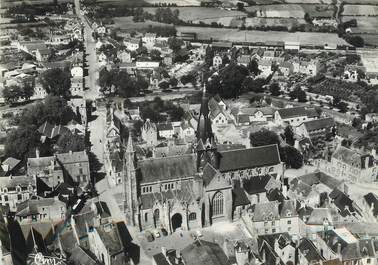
(188, 132)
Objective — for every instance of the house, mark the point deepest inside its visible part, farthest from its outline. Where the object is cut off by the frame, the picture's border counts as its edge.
(187, 131)
(42, 55)
(265, 66)
(219, 117)
(143, 65)
(149, 133)
(353, 165)
(77, 86)
(244, 59)
(346, 207)
(16, 189)
(371, 117)
(295, 116)
(132, 44)
(286, 68)
(124, 56)
(316, 129)
(76, 164)
(9, 166)
(370, 202)
(40, 210)
(311, 67)
(217, 61)
(282, 244)
(107, 244)
(102, 57)
(256, 188)
(168, 59)
(77, 71)
(165, 130)
(245, 116)
(202, 252)
(49, 131)
(292, 45)
(149, 39)
(308, 253)
(101, 30)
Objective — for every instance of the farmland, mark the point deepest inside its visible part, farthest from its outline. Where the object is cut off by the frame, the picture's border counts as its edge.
(269, 22)
(364, 24)
(360, 10)
(127, 24)
(222, 34)
(292, 10)
(207, 15)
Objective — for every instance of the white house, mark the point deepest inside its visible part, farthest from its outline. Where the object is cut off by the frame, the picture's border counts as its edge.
(217, 61)
(132, 44)
(295, 116)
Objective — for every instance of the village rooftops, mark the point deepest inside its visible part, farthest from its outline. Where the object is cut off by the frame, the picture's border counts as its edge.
(14, 181)
(249, 158)
(72, 157)
(167, 168)
(288, 113)
(222, 45)
(52, 131)
(353, 157)
(202, 252)
(309, 251)
(319, 124)
(266, 211)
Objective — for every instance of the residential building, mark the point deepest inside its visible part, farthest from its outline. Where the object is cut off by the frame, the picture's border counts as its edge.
(124, 56)
(132, 44)
(17, 189)
(217, 61)
(317, 129)
(42, 55)
(295, 116)
(149, 133)
(40, 210)
(210, 253)
(165, 130)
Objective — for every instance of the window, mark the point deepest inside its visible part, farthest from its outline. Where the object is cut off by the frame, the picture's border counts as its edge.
(273, 230)
(368, 261)
(289, 222)
(289, 229)
(146, 217)
(19, 197)
(156, 215)
(217, 204)
(192, 216)
(273, 223)
(266, 231)
(5, 198)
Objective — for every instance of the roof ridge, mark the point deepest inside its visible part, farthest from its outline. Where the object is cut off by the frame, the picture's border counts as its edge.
(253, 147)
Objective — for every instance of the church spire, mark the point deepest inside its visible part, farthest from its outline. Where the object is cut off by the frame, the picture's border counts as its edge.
(204, 131)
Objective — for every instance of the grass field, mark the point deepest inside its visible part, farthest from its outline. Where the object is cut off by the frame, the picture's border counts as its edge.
(153, 2)
(361, 2)
(205, 14)
(9, 3)
(360, 10)
(287, 22)
(222, 34)
(370, 39)
(127, 24)
(364, 24)
(292, 10)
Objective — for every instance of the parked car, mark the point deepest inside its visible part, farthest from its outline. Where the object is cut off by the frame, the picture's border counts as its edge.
(149, 236)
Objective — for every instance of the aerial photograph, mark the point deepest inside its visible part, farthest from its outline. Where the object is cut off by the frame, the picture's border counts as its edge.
(188, 132)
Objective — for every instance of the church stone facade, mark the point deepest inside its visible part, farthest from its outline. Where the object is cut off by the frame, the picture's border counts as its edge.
(192, 190)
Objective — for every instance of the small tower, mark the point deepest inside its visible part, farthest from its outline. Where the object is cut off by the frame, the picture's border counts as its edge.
(130, 184)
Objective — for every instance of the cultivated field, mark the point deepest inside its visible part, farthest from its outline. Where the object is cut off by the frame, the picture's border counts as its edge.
(205, 14)
(360, 10)
(9, 3)
(127, 24)
(153, 2)
(268, 22)
(292, 10)
(222, 34)
(364, 24)
(363, 2)
(370, 39)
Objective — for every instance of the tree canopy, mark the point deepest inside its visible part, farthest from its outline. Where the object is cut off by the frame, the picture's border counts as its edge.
(56, 82)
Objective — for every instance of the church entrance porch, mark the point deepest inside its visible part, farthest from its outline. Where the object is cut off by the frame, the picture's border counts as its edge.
(176, 221)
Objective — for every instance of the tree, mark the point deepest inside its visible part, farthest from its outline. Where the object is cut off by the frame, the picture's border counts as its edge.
(291, 156)
(164, 85)
(141, 83)
(356, 41)
(301, 96)
(173, 81)
(240, 6)
(155, 55)
(253, 85)
(21, 141)
(56, 82)
(11, 94)
(189, 78)
(308, 18)
(175, 43)
(289, 135)
(264, 137)
(343, 107)
(253, 67)
(70, 142)
(274, 89)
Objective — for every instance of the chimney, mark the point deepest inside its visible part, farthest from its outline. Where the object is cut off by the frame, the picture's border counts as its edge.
(37, 152)
(339, 248)
(374, 153)
(367, 162)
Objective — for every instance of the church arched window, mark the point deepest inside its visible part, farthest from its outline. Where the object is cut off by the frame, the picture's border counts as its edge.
(146, 217)
(192, 216)
(156, 214)
(217, 204)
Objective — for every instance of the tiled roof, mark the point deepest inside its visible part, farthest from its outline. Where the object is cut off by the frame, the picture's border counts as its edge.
(266, 211)
(166, 168)
(256, 184)
(73, 157)
(372, 200)
(80, 256)
(14, 181)
(288, 113)
(352, 157)
(319, 124)
(309, 251)
(204, 253)
(164, 126)
(51, 131)
(249, 158)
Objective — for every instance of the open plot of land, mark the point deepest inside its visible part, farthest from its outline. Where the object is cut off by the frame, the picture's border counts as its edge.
(222, 34)
(360, 10)
(364, 24)
(292, 10)
(206, 15)
(364, 2)
(153, 2)
(6, 4)
(268, 22)
(370, 39)
(127, 23)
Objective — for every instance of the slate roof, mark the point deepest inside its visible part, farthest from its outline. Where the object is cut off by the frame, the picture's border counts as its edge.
(343, 202)
(222, 44)
(319, 215)
(11, 163)
(319, 124)
(372, 200)
(287, 208)
(79, 256)
(102, 209)
(166, 168)
(266, 211)
(73, 157)
(288, 113)
(249, 158)
(202, 252)
(353, 157)
(239, 198)
(14, 181)
(52, 131)
(256, 184)
(164, 126)
(209, 173)
(309, 251)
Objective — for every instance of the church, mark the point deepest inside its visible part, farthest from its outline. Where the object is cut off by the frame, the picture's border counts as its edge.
(195, 189)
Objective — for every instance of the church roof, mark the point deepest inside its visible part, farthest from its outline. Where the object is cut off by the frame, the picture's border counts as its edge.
(166, 168)
(249, 158)
(204, 253)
